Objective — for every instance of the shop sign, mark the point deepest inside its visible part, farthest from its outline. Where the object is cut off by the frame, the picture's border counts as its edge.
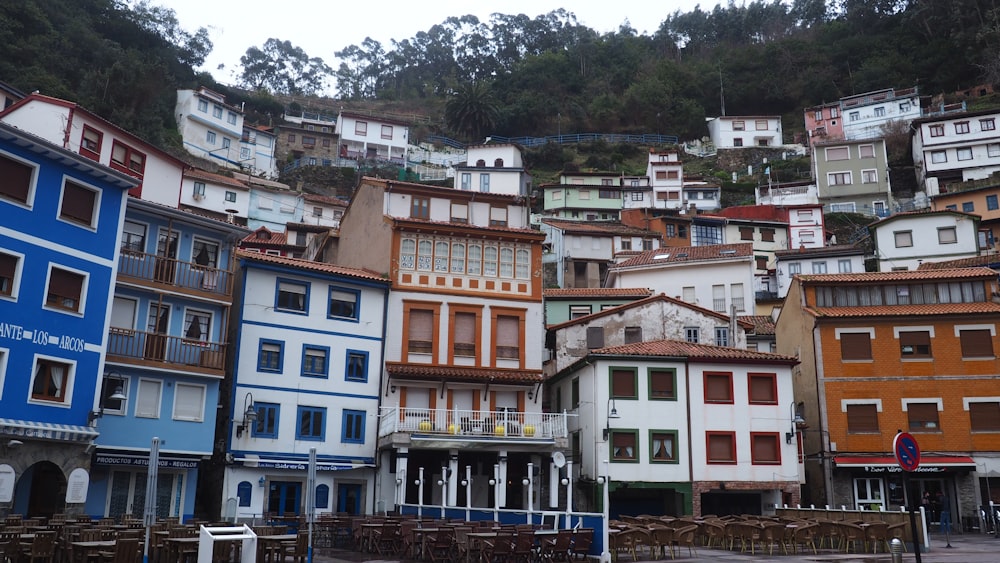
(7, 478)
(76, 486)
(898, 469)
(138, 461)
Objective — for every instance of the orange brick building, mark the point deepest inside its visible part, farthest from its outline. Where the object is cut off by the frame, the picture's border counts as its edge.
(882, 352)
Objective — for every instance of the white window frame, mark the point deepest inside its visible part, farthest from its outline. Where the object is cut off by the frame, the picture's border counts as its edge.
(4, 354)
(83, 290)
(134, 303)
(15, 286)
(963, 153)
(939, 157)
(954, 235)
(144, 381)
(177, 396)
(95, 213)
(70, 379)
(869, 176)
(833, 154)
(833, 177)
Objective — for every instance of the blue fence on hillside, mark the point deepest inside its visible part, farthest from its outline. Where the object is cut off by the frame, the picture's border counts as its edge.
(644, 139)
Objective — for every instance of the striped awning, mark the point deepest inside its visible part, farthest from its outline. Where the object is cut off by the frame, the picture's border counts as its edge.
(46, 431)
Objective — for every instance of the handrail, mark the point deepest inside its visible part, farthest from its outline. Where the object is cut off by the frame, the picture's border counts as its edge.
(170, 271)
(472, 423)
(166, 349)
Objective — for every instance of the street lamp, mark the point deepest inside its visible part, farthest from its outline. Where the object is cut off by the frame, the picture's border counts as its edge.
(529, 482)
(606, 481)
(249, 415)
(495, 483)
(797, 421)
(612, 415)
(419, 482)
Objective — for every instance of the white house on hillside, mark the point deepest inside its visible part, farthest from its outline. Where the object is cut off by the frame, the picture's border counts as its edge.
(220, 196)
(371, 137)
(718, 277)
(729, 132)
(955, 148)
(842, 259)
(496, 169)
(905, 240)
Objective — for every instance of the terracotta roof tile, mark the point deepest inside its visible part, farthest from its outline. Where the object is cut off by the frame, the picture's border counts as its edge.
(462, 373)
(217, 178)
(814, 252)
(329, 199)
(598, 227)
(641, 303)
(690, 350)
(980, 308)
(597, 292)
(682, 254)
(762, 324)
(987, 260)
(321, 267)
(891, 277)
(263, 235)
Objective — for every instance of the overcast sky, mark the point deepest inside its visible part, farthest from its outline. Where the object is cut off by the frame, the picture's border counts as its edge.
(322, 28)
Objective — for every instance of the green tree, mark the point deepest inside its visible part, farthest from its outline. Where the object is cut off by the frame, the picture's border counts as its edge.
(282, 68)
(471, 110)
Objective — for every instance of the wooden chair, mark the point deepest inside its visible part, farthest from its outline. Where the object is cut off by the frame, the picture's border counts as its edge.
(583, 538)
(685, 537)
(850, 535)
(773, 533)
(126, 551)
(877, 533)
(443, 545)
(298, 550)
(10, 546)
(388, 539)
(499, 549)
(805, 535)
(662, 538)
(42, 548)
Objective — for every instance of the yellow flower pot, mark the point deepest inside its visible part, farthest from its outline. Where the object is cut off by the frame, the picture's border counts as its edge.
(425, 426)
(529, 430)
(453, 429)
(500, 430)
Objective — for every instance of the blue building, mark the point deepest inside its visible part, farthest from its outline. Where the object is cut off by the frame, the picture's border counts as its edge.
(307, 374)
(273, 205)
(60, 227)
(167, 344)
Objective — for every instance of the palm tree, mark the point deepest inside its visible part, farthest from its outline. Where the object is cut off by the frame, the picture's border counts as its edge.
(472, 110)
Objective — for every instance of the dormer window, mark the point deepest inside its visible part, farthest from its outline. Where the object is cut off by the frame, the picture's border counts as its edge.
(498, 163)
(480, 163)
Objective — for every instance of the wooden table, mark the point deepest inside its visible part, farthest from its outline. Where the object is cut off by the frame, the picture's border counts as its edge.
(476, 544)
(266, 545)
(175, 545)
(84, 550)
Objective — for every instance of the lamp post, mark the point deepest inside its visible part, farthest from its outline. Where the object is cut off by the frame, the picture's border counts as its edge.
(797, 421)
(443, 481)
(567, 481)
(495, 483)
(419, 482)
(612, 415)
(529, 482)
(249, 415)
(467, 483)
(606, 480)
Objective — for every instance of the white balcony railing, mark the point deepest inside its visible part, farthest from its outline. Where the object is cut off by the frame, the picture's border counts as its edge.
(467, 423)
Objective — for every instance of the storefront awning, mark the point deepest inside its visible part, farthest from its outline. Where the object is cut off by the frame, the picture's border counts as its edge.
(926, 461)
(46, 431)
(299, 465)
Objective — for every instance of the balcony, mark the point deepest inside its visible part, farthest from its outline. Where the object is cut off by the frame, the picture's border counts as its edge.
(472, 426)
(169, 273)
(160, 350)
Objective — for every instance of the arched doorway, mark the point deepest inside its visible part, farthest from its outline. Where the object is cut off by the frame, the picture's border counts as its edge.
(46, 487)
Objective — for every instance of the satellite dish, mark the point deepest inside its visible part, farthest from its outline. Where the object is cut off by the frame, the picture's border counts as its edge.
(559, 459)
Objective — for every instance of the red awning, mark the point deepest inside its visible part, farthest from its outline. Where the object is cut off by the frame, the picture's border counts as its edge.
(925, 460)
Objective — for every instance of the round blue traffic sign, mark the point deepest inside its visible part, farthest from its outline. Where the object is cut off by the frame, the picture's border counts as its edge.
(906, 450)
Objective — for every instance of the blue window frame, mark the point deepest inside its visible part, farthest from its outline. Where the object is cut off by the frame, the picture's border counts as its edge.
(968, 207)
(291, 296)
(353, 427)
(322, 496)
(344, 303)
(269, 355)
(311, 424)
(243, 493)
(991, 202)
(267, 420)
(315, 361)
(356, 366)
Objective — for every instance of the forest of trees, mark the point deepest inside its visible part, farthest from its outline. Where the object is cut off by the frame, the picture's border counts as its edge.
(516, 75)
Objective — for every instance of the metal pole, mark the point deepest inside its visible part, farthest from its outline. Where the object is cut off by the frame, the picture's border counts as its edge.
(606, 553)
(913, 515)
(531, 490)
(311, 500)
(569, 494)
(444, 489)
(420, 492)
(496, 492)
(468, 492)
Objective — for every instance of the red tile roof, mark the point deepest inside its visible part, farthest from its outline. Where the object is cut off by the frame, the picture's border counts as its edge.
(597, 292)
(759, 212)
(762, 324)
(986, 260)
(895, 277)
(690, 350)
(321, 267)
(682, 254)
(979, 308)
(329, 199)
(217, 178)
(263, 235)
(610, 228)
(462, 373)
(642, 303)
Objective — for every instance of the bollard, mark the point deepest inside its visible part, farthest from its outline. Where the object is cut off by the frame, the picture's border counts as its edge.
(896, 550)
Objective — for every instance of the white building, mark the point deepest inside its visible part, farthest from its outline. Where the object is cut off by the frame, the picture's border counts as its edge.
(954, 148)
(905, 240)
(221, 196)
(497, 169)
(864, 116)
(679, 427)
(216, 131)
(841, 259)
(73, 127)
(728, 132)
(307, 375)
(718, 277)
(369, 137)
(581, 251)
